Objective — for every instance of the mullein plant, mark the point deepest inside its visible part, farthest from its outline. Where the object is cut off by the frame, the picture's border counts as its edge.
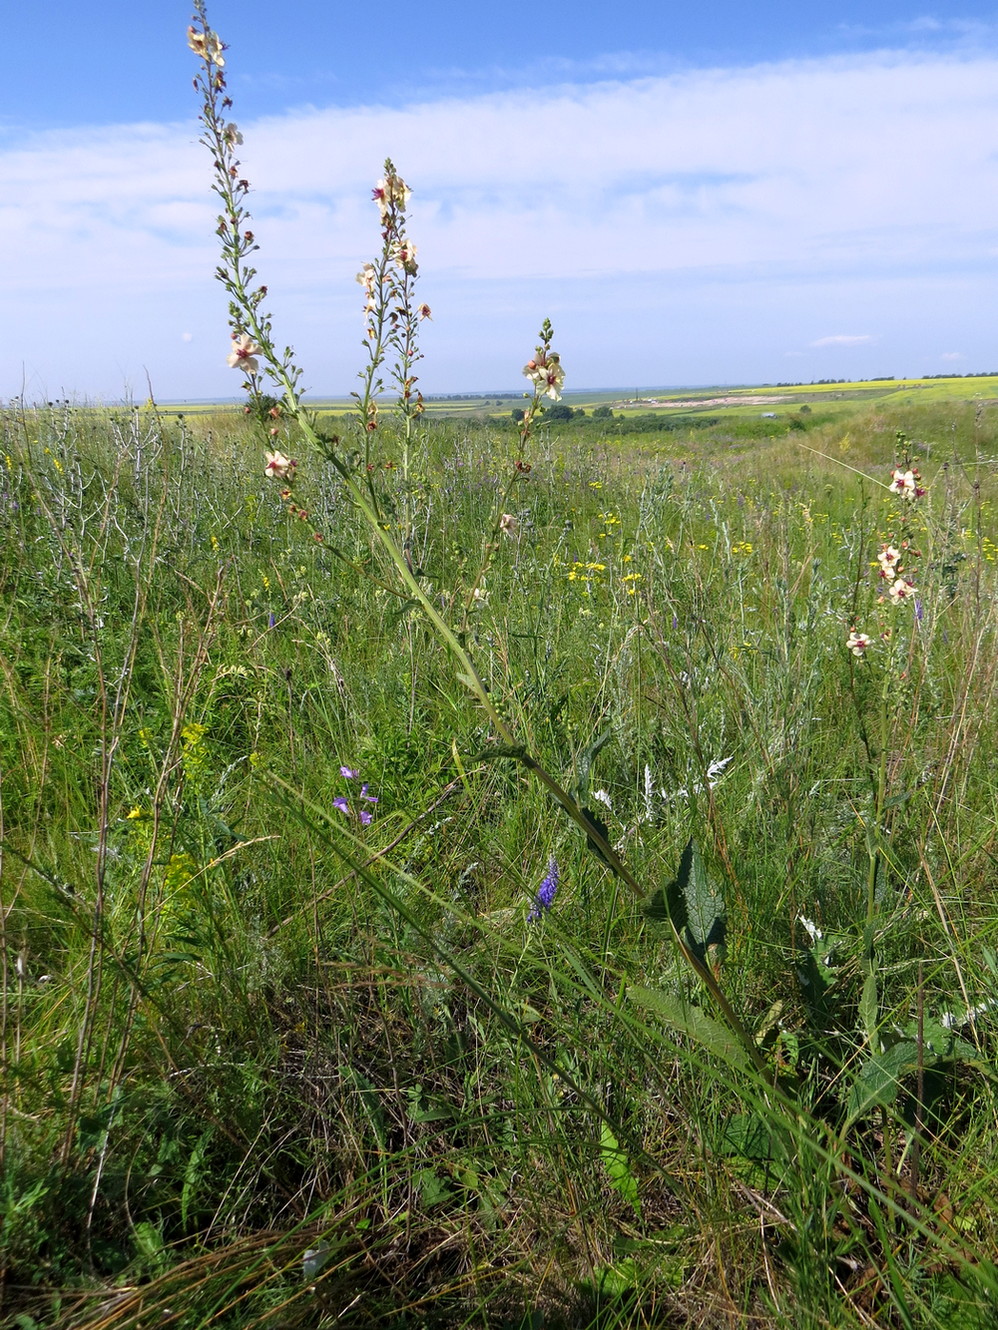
(896, 581)
(547, 377)
(392, 321)
(392, 315)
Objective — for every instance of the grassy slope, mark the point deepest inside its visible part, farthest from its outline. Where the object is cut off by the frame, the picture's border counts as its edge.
(241, 1026)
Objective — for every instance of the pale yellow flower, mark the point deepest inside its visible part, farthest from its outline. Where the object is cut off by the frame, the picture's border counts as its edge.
(858, 643)
(900, 590)
(405, 256)
(546, 373)
(244, 353)
(391, 190)
(279, 467)
(889, 558)
(207, 46)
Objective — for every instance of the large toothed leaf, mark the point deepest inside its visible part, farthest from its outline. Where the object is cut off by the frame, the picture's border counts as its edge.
(693, 1022)
(694, 904)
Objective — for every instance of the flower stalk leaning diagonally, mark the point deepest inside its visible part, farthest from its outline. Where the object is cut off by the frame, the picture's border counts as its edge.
(248, 319)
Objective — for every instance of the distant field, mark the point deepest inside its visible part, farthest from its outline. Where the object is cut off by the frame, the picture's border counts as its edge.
(745, 400)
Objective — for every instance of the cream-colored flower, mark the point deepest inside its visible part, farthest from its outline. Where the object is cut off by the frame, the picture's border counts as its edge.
(900, 590)
(906, 484)
(508, 524)
(244, 353)
(889, 559)
(858, 643)
(206, 45)
(279, 467)
(546, 373)
(391, 190)
(405, 256)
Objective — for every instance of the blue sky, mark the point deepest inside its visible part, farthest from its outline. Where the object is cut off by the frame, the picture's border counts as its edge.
(693, 194)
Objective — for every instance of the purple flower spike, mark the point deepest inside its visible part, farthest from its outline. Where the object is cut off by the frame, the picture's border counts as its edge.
(340, 803)
(349, 772)
(545, 893)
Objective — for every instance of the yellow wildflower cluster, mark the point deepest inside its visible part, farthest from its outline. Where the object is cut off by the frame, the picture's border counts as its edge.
(179, 871)
(742, 547)
(585, 572)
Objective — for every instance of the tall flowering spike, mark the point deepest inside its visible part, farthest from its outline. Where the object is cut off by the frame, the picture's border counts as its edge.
(544, 899)
(391, 313)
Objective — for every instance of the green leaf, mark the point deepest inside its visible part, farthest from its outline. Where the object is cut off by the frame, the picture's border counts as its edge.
(618, 1169)
(869, 1007)
(600, 827)
(749, 1135)
(693, 1022)
(433, 1189)
(879, 1079)
(585, 763)
(694, 904)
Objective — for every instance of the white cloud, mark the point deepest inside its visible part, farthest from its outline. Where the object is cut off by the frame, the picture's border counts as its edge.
(723, 194)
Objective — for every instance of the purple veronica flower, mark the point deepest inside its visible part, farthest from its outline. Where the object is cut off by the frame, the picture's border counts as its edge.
(545, 893)
(371, 798)
(341, 803)
(348, 772)
(365, 817)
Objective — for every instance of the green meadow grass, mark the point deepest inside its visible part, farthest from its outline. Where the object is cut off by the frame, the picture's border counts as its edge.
(269, 1064)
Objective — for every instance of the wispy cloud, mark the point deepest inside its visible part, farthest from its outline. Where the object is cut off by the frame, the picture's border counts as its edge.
(724, 194)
